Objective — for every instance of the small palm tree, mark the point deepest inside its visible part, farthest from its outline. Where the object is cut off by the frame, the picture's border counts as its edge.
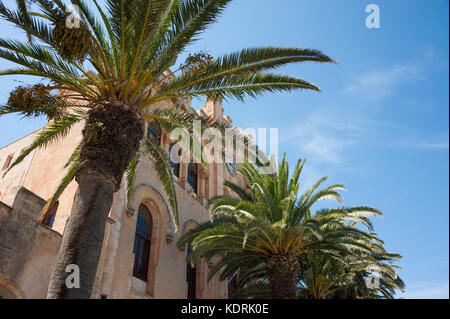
(326, 275)
(336, 274)
(111, 69)
(262, 232)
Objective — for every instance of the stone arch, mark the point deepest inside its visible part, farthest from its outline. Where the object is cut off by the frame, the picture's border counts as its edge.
(189, 224)
(153, 200)
(9, 289)
(159, 198)
(226, 191)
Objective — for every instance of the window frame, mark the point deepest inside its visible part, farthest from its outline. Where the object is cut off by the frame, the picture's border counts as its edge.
(142, 241)
(193, 182)
(156, 131)
(49, 218)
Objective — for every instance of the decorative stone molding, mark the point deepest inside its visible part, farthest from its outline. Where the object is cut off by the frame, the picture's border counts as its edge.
(169, 238)
(171, 230)
(130, 211)
(189, 224)
(203, 171)
(9, 289)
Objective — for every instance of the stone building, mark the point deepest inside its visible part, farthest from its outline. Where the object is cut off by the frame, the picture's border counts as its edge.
(29, 241)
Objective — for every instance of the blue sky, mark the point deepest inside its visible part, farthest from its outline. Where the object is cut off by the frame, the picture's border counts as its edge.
(380, 126)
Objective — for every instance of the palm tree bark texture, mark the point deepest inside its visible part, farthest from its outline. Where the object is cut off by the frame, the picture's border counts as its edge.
(282, 270)
(110, 140)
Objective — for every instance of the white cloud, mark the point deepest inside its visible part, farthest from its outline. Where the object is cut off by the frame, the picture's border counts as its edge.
(322, 137)
(376, 85)
(432, 145)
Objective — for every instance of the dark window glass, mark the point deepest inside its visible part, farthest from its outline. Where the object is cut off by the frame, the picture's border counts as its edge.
(141, 247)
(49, 217)
(192, 176)
(154, 133)
(191, 276)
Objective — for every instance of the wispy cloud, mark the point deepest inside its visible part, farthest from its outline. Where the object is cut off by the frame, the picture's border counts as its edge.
(433, 145)
(325, 137)
(322, 137)
(427, 290)
(376, 85)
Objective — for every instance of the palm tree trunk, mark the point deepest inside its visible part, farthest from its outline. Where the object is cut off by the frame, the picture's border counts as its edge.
(340, 294)
(282, 271)
(110, 139)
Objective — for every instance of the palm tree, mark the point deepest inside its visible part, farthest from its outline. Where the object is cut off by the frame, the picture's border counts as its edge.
(329, 275)
(261, 233)
(337, 273)
(112, 70)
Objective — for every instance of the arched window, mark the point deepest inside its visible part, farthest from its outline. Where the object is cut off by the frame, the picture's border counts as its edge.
(191, 278)
(175, 166)
(48, 218)
(142, 240)
(154, 132)
(193, 176)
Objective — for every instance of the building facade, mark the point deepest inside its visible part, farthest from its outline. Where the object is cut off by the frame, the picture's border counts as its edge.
(139, 257)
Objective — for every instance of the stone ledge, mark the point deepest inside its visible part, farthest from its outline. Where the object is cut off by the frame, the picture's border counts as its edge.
(51, 231)
(5, 208)
(28, 203)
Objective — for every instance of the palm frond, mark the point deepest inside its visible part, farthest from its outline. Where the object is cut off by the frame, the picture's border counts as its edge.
(130, 174)
(163, 168)
(70, 175)
(52, 132)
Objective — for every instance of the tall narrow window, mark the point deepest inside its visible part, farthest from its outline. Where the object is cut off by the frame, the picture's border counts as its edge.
(48, 218)
(193, 176)
(8, 161)
(175, 163)
(154, 133)
(191, 274)
(142, 239)
(232, 286)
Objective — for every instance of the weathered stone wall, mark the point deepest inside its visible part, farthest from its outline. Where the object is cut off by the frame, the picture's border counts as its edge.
(14, 179)
(27, 248)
